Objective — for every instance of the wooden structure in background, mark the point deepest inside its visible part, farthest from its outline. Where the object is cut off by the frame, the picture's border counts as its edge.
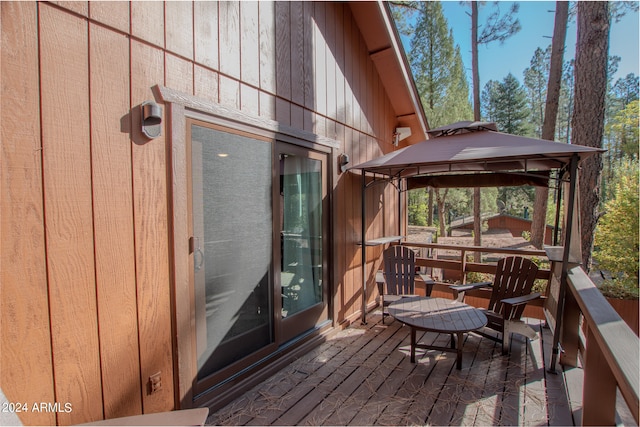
(87, 298)
(514, 224)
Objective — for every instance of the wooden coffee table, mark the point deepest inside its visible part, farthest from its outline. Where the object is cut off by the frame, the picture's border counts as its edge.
(438, 315)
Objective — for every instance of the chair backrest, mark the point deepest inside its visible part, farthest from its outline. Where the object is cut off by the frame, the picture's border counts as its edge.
(399, 270)
(514, 278)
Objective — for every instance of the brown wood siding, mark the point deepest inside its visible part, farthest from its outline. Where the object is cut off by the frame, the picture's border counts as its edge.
(26, 370)
(87, 279)
(113, 225)
(69, 213)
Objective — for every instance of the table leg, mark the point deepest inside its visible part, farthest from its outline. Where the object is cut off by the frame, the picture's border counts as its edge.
(453, 341)
(413, 345)
(459, 350)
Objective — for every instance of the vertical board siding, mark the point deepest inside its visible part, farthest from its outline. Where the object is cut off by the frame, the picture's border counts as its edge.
(79, 7)
(179, 73)
(229, 34)
(179, 23)
(68, 214)
(86, 263)
(296, 71)
(151, 236)
(249, 43)
(147, 21)
(114, 14)
(267, 24)
(26, 371)
(205, 84)
(205, 16)
(113, 224)
(283, 49)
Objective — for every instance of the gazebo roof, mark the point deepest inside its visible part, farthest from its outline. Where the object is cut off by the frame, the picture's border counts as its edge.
(477, 150)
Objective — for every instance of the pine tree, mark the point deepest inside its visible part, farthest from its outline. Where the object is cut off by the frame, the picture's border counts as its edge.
(511, 107)
(550, 116)
(536, 77)
(438, 68)
(439, 73)
(498, 28)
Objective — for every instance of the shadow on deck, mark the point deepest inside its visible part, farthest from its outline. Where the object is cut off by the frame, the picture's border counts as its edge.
(363, 376)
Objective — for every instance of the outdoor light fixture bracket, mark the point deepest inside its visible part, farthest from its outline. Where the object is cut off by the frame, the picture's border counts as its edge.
(343, 160)
(399, 134)
(151, 119)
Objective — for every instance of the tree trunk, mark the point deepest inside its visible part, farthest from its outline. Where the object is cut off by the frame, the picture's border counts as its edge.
(539, 221)
(592, 49)
(440, 199)
(430, 207)
(477, 223)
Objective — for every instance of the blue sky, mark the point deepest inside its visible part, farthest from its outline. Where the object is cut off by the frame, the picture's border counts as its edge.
(536, 19)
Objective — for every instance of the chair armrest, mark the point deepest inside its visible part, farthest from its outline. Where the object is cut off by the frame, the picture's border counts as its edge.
(380, 280)
(521, 300)
(464, 288)
(428, 283)
(510, 304)
(459, 290)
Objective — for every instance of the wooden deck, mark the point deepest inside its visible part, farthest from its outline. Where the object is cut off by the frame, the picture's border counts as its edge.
(363, 376)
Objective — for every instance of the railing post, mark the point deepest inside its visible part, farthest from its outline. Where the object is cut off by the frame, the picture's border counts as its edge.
(463, 266)
(599, 392)
(570, 331)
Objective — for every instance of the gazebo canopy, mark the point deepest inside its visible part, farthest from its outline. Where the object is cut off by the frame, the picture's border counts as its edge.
(474, 149)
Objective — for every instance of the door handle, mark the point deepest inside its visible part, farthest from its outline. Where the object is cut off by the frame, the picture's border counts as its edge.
(198, 255)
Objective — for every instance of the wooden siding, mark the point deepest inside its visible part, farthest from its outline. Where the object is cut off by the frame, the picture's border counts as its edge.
(86, 306)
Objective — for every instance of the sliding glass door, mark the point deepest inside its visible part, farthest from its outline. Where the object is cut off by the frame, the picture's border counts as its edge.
(232, 247)
(258, 245)
(303, 218)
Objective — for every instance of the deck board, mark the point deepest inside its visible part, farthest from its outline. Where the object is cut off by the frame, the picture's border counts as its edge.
(363, 376)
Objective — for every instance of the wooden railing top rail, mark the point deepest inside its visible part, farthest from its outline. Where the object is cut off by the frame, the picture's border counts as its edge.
(485, 249)
(617, 342)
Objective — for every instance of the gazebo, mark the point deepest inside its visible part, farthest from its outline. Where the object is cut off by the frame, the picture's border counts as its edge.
(475, 154)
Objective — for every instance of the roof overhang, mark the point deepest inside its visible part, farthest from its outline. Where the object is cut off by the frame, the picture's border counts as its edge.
(385, 50)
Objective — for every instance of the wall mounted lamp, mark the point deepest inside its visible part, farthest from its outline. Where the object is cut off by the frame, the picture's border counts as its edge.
(151, 117)
(399, 134)
(343, 160)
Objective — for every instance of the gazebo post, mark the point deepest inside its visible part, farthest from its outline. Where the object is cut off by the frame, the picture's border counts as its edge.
(573, 172)
(363, 230)
(558, 204)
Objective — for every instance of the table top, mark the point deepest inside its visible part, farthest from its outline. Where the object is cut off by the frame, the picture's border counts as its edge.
(437, 314)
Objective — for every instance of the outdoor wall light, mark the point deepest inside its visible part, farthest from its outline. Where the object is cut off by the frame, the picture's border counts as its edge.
(399, 134)
(343, 159)
(151, 114)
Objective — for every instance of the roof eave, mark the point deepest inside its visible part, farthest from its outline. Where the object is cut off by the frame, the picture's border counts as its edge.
(386, 52)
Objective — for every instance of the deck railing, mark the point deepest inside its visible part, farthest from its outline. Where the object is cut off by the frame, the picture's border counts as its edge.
(591, 330)
(610, 350)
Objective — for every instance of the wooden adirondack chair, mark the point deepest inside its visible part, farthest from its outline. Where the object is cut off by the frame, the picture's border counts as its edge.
(511, 291)
(399, 276)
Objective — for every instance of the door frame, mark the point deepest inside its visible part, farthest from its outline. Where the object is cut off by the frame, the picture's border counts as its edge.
(287, 329)
(178, 108)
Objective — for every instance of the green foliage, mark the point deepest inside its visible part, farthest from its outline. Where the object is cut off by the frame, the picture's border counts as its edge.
(417, 207)
(617, 235)
(536, 78)
(513, 200)
(623, 128)
(437, 67)
(620, 289)
(506, 104)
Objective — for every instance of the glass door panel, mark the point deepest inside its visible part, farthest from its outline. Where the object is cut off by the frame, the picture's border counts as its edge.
(302, 240)
(301, 272)
(231, 199)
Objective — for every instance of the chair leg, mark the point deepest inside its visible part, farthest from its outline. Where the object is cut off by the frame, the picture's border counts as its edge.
(519, 327)
(505, 343)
